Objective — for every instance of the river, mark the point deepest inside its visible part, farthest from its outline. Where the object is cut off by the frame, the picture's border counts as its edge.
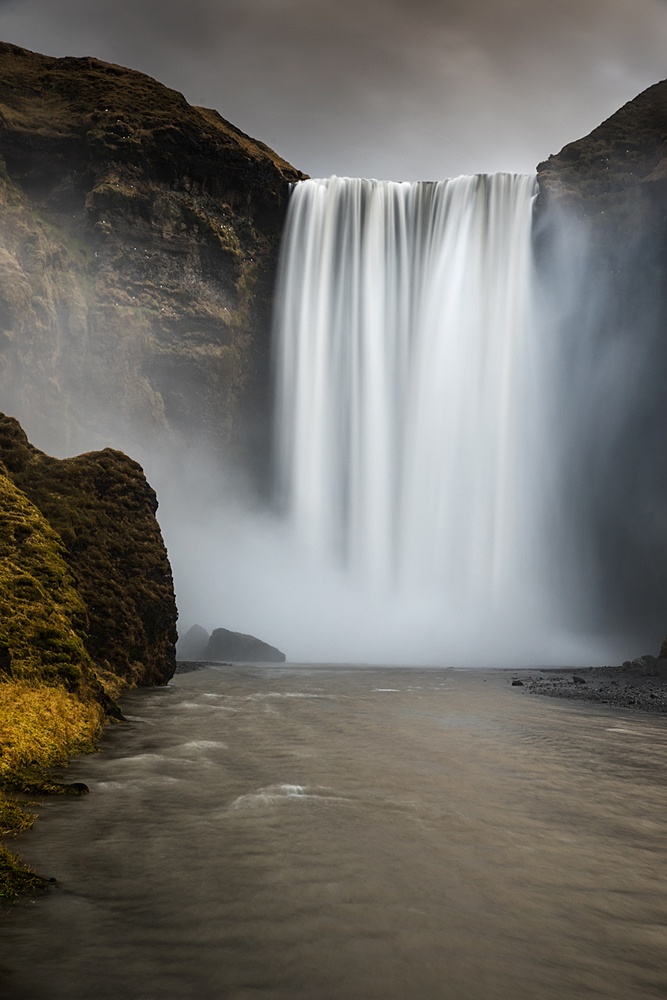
(352, 833)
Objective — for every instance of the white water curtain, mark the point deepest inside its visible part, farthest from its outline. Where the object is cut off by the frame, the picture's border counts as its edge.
(409, 445)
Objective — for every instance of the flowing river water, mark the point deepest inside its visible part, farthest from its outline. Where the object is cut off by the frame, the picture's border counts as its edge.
(321, 833)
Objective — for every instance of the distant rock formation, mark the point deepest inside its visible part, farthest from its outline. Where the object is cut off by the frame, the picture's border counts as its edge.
(138, 244)
(237, 647)
(192, 645)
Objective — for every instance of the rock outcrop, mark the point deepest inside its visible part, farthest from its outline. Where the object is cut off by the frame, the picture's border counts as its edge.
(103, 511)
(238, 647)
(616, 177)
(138, 244)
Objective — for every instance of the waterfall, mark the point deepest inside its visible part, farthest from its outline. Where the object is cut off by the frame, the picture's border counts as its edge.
(411, 447)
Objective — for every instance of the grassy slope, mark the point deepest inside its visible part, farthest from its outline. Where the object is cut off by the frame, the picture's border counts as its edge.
(50, 695)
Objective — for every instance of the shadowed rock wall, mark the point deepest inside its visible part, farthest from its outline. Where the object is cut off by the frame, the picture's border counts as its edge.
(601, 239)
(138, 243)
(101, 513)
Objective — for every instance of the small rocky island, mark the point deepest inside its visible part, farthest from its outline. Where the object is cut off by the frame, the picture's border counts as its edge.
(224, 645)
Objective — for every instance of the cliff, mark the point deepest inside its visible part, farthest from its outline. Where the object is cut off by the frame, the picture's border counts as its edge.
(104, 512)
(138, 243)
(601, 239)
(615, 178)
(86, 607)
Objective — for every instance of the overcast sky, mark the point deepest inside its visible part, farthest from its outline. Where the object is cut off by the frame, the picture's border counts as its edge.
(402, 89)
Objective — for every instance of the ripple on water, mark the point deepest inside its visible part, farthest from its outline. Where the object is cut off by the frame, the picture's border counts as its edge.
(277, 794)
(263, 695)
(195, 746)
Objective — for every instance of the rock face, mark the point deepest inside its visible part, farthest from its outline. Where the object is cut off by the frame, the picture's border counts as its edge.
(138, 243)
(192, 645)
(237, 647)
(43, 619)
(100, 513)
(616, 177)
(608, 193)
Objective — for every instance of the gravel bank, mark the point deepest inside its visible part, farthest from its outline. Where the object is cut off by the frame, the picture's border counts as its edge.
(638, 684)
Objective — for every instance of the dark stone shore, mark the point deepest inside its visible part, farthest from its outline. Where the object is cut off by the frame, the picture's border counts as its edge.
(638, 684)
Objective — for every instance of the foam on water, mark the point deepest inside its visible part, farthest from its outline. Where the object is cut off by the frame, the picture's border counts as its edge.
(276, 794)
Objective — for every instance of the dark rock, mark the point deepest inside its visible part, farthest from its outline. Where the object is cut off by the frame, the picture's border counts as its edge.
(5, 659)
(238, 647)
(77, 788)
(192, 645)
(603, 202)
(641, 663)
(517, 683)
(576, 679)
(103, 510)
(138, 247)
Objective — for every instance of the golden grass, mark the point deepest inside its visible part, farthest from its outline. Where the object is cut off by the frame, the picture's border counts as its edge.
(42, 726)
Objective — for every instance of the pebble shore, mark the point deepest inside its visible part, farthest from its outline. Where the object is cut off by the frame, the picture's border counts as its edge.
(637, 684)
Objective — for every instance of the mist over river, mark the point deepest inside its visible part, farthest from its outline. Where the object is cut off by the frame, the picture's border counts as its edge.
(321, 833)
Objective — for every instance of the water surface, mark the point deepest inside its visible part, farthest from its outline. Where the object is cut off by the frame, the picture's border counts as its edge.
(314, 833)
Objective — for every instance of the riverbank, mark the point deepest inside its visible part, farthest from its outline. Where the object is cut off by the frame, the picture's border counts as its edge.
(639, 684)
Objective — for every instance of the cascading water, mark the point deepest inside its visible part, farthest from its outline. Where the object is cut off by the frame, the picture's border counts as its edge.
(411, 453)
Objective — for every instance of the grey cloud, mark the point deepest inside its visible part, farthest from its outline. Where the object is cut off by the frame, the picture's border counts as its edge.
(382, 87)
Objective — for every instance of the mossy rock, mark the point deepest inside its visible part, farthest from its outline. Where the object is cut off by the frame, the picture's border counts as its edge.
(102, 516)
